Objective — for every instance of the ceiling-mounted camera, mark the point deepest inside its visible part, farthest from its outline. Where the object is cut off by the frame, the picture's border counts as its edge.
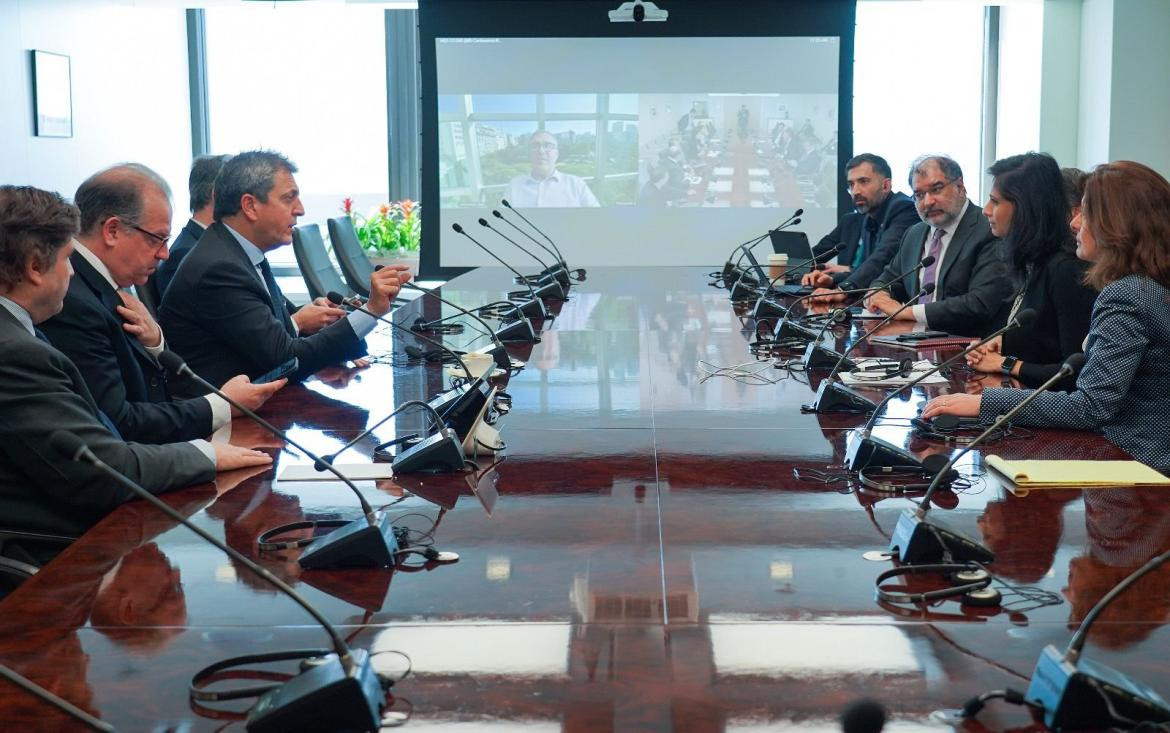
(637, 11)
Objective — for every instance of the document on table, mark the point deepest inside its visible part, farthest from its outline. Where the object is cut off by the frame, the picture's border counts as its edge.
(1076, 474)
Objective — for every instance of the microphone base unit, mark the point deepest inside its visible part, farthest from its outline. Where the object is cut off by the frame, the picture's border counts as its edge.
(743, 290)
(730, 273)
(833, 396)
(1078, 695)
(358, 544)
(819, 356)
(438, 453)
(790, 329)
(551, 291)
(863, 451)
(534, 308)
(325, 697)
(519, 331)
(766, 308)
(915, 540)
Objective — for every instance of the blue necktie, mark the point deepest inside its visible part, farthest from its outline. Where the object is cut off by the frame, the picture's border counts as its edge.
(102, 417)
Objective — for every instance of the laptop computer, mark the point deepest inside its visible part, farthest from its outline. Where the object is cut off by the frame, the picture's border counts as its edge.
(798, 249)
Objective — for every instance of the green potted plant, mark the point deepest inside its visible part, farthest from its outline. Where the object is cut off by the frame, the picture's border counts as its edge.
(390, 234)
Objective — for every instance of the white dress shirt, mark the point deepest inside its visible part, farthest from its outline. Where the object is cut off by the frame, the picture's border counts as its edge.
(558, 190)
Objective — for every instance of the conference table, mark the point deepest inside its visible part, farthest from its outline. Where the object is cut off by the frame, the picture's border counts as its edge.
(653, 551)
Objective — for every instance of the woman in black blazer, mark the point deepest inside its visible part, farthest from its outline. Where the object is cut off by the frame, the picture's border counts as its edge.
(1124, 389)
(1028, 209)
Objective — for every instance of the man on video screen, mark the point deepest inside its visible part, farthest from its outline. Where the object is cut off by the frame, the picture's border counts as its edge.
(545, 186)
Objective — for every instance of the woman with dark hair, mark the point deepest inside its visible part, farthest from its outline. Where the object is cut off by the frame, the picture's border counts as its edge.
(1124, 388)
(1028, 209)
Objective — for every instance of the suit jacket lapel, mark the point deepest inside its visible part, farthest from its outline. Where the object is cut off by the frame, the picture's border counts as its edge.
(108, 297)
(963, 235)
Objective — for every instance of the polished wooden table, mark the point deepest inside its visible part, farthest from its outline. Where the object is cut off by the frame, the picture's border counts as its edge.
(644, 559)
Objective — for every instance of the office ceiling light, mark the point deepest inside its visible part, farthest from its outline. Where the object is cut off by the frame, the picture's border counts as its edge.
(636, 12)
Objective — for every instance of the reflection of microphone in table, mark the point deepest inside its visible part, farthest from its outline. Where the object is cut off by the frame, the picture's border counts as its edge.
(342, 692)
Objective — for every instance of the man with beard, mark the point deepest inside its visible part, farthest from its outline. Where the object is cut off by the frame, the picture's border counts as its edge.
(871, 233)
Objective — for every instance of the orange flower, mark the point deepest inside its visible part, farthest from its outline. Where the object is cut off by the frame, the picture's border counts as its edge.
(407, 207)
(384, 209)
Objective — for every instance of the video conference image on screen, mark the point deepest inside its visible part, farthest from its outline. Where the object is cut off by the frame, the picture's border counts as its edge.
(652, 150)
(664, 133)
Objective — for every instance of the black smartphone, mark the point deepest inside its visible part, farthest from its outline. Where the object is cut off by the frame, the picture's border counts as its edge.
(284, 370)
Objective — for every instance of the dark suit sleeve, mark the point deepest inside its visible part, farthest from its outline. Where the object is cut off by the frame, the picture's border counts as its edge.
(1119, 341)
(908, 249)
(81, 335)
(884, 251)
(38, 398)
(974, 310)
(234, 307)
(1073, 302)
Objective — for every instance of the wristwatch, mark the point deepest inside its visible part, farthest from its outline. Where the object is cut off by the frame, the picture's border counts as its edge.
(1009, 363)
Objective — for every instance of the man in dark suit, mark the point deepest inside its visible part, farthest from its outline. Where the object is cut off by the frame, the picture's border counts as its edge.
(969, 270)
(224, 312)
(200, 183)
(871, 233)
(106, 332)
(41, 391)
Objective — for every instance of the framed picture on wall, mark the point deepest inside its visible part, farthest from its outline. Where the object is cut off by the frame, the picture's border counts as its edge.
(52, 95)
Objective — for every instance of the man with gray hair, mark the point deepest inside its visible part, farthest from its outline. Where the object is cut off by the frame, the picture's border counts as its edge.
(968, 269)
(109, 334)
(42, 391)
(224, 312)
(200, 184)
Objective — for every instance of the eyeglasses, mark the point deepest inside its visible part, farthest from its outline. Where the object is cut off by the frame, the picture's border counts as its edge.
(543, 147)
(934, 190)
(161, 240)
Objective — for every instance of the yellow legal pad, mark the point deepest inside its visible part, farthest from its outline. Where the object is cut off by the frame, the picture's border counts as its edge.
(1076, 474)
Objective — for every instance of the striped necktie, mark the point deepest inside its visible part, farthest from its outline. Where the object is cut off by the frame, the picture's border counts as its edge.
(930, 274)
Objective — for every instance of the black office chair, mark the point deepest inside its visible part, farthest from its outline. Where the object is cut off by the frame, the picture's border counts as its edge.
(313, 260)
(348, 251)
(148, 294)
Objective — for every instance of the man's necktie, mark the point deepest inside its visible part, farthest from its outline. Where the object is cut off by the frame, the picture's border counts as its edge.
(102, 417)
(276, 297)
(869, 228)
(930, 273)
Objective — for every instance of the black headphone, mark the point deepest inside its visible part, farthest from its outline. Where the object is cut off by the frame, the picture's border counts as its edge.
(878, 372)
(421, 325)
(971, 582)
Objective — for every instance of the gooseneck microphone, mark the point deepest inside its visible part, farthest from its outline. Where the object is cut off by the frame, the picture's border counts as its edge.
(560, 269)
(52, 700)
(917, 541)
(341, 693)
(747, 283)
(550, 287)
(537, 230)
(518, 330)
(863, 449)
(733, 261)
(818, 355)
(765, 307)
(365, 542)
(531, 291)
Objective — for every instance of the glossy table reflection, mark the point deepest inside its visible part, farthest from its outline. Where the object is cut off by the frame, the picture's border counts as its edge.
(643, 559)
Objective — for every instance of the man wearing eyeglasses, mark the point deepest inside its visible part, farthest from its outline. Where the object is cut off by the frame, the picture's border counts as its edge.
(968, 269)
(546, 186)
(109, 334)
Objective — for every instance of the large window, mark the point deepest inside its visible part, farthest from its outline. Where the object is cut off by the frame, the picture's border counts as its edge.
(310, 82)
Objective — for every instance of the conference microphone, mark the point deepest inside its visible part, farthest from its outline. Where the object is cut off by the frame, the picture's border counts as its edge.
(365, 542)
(818, 355)
(460, 407)
(535, 228)
(52, 700)
(747, 285)
(558, 269)
(1080, 694)
(765, 307)
(916, 540)
(863, 449)
(547, 283)
(342, 693)
(520, 330)
(532, 292)
(732, 264)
